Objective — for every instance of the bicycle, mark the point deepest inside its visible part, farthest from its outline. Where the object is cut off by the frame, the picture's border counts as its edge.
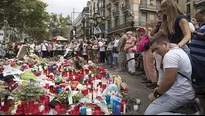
(139, 68)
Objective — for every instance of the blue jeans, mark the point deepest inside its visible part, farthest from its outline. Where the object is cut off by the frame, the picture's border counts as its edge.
(164, 105)
(115, 62)
(110, 59)
(186, 49)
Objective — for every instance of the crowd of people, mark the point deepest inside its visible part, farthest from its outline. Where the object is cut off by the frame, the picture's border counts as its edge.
(172, 40)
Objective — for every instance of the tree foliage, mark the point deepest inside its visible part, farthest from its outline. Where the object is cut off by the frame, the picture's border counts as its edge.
(26, 16)
(30, 17)
(58, 25)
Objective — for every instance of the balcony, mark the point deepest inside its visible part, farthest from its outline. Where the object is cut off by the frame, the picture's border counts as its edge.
(198, 2)
(108, 5)
(108, 17)
(147, 7)
(116, 13)
(125, 8)
(125, 26)
(115, 1)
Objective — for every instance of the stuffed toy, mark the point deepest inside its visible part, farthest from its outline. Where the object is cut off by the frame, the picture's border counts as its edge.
(111, 90)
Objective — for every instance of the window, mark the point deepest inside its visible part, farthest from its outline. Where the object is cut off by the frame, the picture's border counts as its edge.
(116, 22)
(143, 1)
(144, 18)
(125, 18)
(177, 1)
(187, 0)
(109, 24)
(116, 7)
(188, 10)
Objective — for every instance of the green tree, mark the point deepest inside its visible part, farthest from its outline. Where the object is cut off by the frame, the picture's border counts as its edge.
(28, 17)
(58, 25)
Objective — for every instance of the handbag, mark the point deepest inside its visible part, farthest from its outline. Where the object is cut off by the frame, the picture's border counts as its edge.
(143, 44)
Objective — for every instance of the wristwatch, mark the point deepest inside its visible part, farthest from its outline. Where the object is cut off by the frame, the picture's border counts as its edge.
(156, 94)
(195, 32)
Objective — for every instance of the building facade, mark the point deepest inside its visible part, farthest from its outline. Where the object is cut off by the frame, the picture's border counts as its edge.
(189, 6)
(123, 15)
(77, 26)
(129, 14)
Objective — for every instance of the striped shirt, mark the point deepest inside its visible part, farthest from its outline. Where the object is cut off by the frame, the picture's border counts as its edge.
(197, 45)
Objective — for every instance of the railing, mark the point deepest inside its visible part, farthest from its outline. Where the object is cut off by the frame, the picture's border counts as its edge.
(126, 26)
(197, 2)
(148, 7)
(116, 13)
(125, 8)
(114, 1)
(108, 5)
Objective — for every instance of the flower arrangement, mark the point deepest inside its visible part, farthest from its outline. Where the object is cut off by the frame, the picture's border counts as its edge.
(63, 97)
(28, 92)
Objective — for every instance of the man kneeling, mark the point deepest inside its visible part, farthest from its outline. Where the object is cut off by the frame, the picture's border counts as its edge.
(174, 90)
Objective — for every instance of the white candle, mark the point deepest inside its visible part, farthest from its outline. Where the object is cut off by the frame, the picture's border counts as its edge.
(70, 100)
(136, 107)
(88, 111)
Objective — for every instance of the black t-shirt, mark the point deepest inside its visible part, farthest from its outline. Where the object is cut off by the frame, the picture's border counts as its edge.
(178, 35)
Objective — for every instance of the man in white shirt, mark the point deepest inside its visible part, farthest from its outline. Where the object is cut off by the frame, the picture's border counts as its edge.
(174, 90)
(44, 49)
(102, 51)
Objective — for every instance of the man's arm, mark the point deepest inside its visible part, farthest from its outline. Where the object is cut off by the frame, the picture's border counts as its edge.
(169, 79)
(199, 34)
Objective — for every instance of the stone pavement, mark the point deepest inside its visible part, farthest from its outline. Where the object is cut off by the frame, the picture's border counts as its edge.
(136, 89)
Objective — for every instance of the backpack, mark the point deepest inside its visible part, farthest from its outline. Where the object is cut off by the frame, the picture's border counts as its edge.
(143, 44)
(198, 72)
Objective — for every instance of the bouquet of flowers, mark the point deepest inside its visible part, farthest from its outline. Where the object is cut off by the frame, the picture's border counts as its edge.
(28, 92)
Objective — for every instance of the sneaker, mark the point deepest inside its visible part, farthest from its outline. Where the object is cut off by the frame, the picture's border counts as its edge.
(151, 85)
(148, 81)
(199, 108)
(144, 79)
(196, 113)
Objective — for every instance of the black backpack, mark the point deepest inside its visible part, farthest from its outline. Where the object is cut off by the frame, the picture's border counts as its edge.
(198, 73)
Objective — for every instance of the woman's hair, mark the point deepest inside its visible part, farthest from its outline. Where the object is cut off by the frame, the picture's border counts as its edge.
(173, 10)
(150, 23)
(159, 11)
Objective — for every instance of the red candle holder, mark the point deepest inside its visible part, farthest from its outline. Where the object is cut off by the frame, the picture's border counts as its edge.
(36, 109)
(84, 92)
(46, 86)
(47, 100)
(24, 104)
(103, 87)
(51, 89)
(58, 108)
(5, 108)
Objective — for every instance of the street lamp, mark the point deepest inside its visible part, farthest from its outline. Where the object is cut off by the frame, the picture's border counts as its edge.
(96, 20)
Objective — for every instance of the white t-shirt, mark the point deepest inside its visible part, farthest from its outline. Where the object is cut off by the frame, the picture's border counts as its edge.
(116, 43)
(191, 26)
(44, 46)
(32, 48)
(182, 88)
(102, 49)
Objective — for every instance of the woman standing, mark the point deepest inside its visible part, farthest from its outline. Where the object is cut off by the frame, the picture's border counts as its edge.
(130, 43)
(176, 26)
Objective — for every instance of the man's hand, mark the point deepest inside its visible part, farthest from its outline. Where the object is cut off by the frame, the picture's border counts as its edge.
(151, 97)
